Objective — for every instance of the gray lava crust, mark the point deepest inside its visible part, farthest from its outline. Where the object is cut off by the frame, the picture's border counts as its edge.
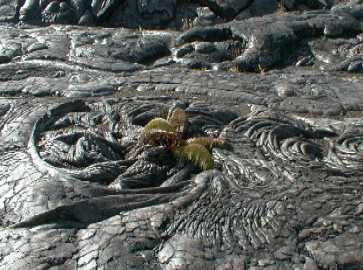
(280, 82)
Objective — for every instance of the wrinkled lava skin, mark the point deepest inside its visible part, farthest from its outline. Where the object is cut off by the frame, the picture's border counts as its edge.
(280, 82)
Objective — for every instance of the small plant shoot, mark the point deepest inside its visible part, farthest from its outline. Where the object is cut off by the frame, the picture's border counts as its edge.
(169, 132)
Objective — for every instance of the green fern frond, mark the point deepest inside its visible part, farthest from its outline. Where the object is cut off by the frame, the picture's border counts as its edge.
(157, 137)
(177, 120)
(169, 133)
(208, 142)
(197, 154)
(158, 124)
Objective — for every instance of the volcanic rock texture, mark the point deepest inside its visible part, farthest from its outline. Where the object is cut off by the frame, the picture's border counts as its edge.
(280, 82)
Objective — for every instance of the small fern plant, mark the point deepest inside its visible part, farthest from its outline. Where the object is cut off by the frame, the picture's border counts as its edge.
(169, 132)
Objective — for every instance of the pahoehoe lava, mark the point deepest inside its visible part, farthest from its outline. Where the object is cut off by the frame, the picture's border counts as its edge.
(277, 83)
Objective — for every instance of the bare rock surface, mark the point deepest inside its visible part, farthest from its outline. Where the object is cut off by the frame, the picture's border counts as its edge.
(279, 82)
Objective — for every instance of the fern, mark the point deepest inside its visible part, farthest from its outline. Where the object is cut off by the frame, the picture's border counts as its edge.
(169, 133)
(177, 120)
(208, 142)
(197, 154)
(157, 137)
(158, 124)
